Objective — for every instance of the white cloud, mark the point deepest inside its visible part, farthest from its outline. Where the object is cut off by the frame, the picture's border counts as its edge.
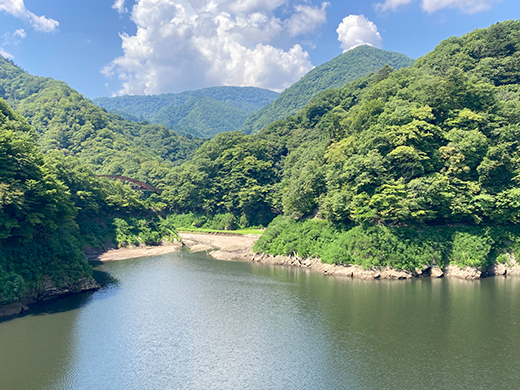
(430, 6)
(190, 44)
(356, 30)
(247, 6)
(5, 54)
(17, 9)
(467, 6)
(119, 6)
(12, 40)
(20, 33)
(306, 19)
(41, 23)
(391, 5)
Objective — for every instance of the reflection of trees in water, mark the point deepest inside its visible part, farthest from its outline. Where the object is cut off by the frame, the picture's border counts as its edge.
(105, 279)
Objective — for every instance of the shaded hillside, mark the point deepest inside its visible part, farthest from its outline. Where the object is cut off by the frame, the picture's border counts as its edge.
(203, 112)
(335, 73)
(66, 121)
(202, 117)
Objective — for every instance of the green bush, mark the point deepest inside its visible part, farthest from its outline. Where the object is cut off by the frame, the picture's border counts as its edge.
(471, 250)
(11, 286)
(147, 231)
(285, 236)
(381, 246)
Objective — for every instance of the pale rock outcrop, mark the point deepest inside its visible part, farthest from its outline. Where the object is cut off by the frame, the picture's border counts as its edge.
(470, 273)
(436, 272)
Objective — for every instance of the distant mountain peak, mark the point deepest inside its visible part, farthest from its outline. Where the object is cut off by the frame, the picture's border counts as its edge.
(351, 65)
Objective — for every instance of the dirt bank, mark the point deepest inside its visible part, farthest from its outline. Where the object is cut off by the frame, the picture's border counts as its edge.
(131, 253)
(221, 247)
(239, 247)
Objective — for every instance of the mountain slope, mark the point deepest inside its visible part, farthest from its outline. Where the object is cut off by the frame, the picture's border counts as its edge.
(407, 169)
(109, 144)
(202, 117)
(230, 106)
(335, 73)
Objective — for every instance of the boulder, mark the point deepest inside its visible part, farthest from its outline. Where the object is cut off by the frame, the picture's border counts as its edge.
(470, 273)
(436, 272)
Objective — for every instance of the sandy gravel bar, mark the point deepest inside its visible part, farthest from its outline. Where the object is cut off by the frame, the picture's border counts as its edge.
(131, 253)
(220, 246)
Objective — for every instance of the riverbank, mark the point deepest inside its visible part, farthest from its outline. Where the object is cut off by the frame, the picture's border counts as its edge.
(48, 290)
(221, 246)
(232, 246)
(133, 252)
(238, 247)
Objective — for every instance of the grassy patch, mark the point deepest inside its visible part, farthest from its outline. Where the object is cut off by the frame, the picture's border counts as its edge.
(254, 231)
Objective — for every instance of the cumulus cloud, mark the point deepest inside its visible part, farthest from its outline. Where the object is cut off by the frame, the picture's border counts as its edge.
(17, 9)
(356, 30)
(306, 19)
(190, 44)
(248, 6)
(430, 6)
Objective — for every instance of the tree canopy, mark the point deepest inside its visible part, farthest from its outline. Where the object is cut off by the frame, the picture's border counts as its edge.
(335, 73)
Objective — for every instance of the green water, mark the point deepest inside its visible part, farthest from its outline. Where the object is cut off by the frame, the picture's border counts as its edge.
(182, 321)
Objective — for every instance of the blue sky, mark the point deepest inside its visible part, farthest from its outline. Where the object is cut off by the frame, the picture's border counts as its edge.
(108, 47)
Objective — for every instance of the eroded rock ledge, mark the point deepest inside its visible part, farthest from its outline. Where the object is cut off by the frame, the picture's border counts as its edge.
(48, 290)
(355, 271)
(240, 248)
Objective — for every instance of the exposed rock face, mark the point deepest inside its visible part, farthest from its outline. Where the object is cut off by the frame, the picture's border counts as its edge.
(471, 273)
(12, 309)
(511, 268)
(200, 248)
(498, 269)
(353, 271)
(436, 272)
(49, 290)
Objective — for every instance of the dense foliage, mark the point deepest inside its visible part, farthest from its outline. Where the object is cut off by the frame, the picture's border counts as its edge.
(405, 248)
(335, 73)
(202, 113)
(148, 231)
(35, 208)
(431, 145)
(66, 121)
(403, 168)
(51, 206)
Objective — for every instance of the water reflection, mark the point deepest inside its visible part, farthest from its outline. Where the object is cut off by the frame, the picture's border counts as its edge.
(196, 323)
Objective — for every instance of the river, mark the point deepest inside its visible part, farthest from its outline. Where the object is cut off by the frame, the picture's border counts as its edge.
(186, 321)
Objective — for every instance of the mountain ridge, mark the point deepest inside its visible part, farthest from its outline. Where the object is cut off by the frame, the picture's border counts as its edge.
(232, 105)
(335, 73)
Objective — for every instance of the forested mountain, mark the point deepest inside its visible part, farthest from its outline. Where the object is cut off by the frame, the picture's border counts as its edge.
(349, 66)
(51, 207)
(109, 144)
(381, 160)
(408, 168)
(204, 112)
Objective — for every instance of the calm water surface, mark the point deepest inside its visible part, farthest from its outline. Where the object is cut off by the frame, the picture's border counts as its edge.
(183, 321)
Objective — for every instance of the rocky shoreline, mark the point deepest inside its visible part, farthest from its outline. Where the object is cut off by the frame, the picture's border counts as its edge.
(48, 290)
(355, 271)
(241, 249)
(237, 247)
